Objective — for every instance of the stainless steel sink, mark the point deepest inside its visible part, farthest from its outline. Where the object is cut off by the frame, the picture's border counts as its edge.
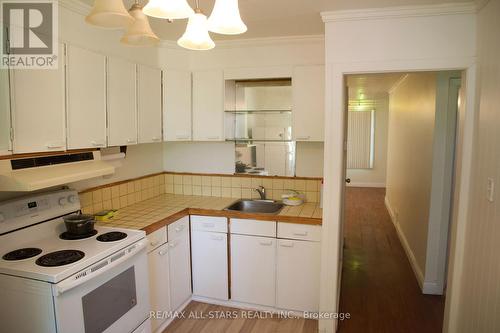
(256, 206)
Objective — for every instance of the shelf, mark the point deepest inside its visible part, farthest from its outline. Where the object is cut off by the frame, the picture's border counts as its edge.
(258, 111)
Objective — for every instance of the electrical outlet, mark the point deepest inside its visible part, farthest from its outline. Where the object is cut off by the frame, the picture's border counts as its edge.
(490, 190)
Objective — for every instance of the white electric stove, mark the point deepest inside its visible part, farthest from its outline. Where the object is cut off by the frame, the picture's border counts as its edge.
(62, 283)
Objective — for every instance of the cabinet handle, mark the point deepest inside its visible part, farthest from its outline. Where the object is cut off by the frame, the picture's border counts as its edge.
(172, 245)
(155, 139)
(286, 244)
(303, 137)
(213, 137)
(266, 243)
(301, 233)
(182, 137)
(179, 229)
(216, 238)
(97, 144)
(162, 252)
(131, 141)
(208, 225)
(54, 145)
(154, 243)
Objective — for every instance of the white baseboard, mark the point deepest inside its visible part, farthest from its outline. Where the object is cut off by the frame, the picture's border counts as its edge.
(409, 253)
(359, 184)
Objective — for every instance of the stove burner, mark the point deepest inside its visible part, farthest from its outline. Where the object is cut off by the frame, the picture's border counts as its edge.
(21, 254)
(112, 236)
(69, 236)
(60, 258)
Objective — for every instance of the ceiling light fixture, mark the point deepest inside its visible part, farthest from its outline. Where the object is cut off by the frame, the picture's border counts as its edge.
(139, 33)
(196, 36)
(168, 9)
(225, 18)
(109, 14)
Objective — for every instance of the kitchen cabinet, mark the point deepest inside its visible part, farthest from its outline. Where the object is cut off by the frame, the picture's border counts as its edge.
(5, 145)
(122, 102)
(308, 86)
(159, 286)
(149, 96)
(177, 105)
(86, 93)
(210, 266)
(297, 275)
(208, 105)
(180, 262)
(253, 269)
(38, 109)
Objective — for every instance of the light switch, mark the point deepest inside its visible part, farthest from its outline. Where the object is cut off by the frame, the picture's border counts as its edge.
(490, 190)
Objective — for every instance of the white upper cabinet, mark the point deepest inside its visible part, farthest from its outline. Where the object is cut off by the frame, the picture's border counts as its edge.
(38, 109)
(176, 105)
(149, 101)
(208, 105)
(122, 103)
(86, 93)
(5, 147)
(308, 85)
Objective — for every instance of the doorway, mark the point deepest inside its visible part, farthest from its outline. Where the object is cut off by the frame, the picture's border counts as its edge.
(400, 140)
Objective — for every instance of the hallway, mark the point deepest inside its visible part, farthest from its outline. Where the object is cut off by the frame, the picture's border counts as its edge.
(379, 289)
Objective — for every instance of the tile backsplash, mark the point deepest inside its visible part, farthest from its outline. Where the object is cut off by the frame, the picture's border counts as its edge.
(126, 193)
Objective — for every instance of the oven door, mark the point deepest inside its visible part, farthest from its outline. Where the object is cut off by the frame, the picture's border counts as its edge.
(110, 296)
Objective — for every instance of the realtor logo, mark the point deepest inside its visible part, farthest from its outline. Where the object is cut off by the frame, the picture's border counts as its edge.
(29, 34)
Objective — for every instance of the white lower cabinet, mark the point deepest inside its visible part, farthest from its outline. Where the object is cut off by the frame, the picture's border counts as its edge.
(159, 286)
(297, 275)
(180, 264)
(253, 269)
(209, 260)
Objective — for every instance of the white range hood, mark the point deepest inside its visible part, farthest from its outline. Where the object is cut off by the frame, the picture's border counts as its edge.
(24, 175)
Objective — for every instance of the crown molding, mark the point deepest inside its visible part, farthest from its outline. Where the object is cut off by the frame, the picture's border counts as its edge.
(399, 12)
(75, 6)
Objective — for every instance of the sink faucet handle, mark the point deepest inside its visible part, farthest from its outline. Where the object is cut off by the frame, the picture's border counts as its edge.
(262, 192)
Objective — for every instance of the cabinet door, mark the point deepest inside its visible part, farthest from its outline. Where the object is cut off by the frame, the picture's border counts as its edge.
(208, 106)
(298, 269)
(122, 103)
(209, 256)
(253, 267)
(159, 286)
(86, 88)
(308, 85)
(5, 144)
(38, 109)
(177, 105)
(149, 99)
(180, 271)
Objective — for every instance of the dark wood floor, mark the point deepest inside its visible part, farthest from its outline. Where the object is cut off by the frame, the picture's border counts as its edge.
(379, 288)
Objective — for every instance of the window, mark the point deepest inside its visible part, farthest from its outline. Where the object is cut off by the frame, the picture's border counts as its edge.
(360, 139)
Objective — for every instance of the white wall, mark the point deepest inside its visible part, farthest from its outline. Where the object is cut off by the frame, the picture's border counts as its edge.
(409, 165)
(376, 176)
(478, 298)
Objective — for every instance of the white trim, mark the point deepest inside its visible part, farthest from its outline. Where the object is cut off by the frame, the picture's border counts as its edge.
(404, 242)
(361, 184)
(399, 12)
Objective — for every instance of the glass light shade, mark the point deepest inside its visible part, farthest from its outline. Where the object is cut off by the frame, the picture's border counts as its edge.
(109, 14)
(139, 33)
(168, 9)
(196, 36)
(225, 18)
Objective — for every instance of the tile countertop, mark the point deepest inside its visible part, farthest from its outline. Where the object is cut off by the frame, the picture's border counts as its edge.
(157, 212)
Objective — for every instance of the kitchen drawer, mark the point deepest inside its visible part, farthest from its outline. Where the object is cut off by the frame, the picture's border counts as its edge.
(299, 231)
(253, 227)
(208, 223)
(179, 228)
(157, 238)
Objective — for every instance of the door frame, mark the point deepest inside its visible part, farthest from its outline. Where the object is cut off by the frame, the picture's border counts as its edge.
(335, 114)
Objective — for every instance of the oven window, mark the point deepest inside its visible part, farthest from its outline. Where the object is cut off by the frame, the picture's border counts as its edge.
(108, 303)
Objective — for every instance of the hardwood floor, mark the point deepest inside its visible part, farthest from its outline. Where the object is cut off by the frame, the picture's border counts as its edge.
(379, 288)
(236, 321)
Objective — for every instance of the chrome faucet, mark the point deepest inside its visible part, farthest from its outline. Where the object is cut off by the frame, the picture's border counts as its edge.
(262, 192)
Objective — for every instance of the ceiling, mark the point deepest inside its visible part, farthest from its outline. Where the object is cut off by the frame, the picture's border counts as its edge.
(273, 18)
(371, 86)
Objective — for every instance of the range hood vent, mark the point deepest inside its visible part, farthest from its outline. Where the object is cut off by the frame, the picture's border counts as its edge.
(31, 174)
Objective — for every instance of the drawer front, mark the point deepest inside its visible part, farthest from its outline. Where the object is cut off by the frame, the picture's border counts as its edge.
(179, 228)
(299, 231)
(253, 227)
(157, 238)
(208, 223)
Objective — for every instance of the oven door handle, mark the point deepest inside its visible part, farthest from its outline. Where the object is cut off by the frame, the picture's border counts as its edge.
(99, 268)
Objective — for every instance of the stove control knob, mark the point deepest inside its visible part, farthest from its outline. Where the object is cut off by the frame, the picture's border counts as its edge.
(62, 201)
(72, 198)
